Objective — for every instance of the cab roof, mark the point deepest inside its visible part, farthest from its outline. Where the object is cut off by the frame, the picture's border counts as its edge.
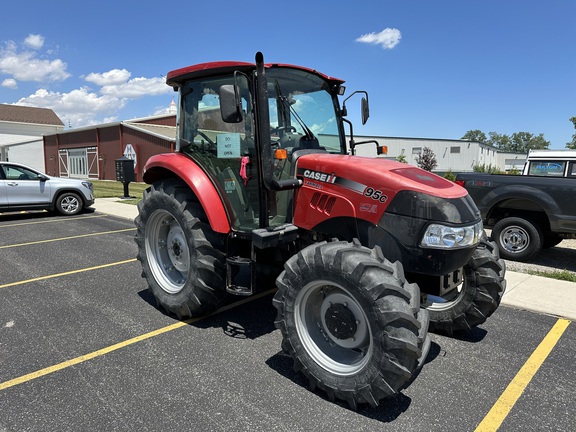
(177, 76)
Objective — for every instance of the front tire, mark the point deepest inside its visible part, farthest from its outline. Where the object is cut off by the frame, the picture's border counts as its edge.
(69, 204)
(350, 321)
(518, 239)
(181, 257)
(476, 298)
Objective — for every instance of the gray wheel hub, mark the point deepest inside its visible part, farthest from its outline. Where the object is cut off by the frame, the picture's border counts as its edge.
(69, 204)
(177, 248)
(333, 328)
(515, 239)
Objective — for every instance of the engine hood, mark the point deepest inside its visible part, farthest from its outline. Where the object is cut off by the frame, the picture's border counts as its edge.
(368, 186)
(358, 173)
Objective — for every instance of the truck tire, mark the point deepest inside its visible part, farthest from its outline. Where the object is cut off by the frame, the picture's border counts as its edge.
(181, 257)
(518, 239)
(350, 321)
(477, 297)
(69, 204)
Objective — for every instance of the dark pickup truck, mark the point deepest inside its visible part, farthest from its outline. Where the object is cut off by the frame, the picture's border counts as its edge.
(526, 213)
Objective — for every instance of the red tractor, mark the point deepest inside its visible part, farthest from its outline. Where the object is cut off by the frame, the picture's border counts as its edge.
(367, 253)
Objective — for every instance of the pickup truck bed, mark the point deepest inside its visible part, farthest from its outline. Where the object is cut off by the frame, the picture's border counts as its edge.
(526, 213)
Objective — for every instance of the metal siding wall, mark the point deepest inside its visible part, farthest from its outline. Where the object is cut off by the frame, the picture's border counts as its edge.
(145, 146)
(471, 152)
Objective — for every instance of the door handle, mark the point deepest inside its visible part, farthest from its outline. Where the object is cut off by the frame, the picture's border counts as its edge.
(12, 184)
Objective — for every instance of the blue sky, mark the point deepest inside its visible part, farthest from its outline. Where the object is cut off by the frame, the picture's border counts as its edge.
(433, 69)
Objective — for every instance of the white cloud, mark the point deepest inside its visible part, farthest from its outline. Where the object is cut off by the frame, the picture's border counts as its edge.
(10, 83)
(112, 77)
(24, 66)
(137, 87)
(111, 91)
(387, 38)
(34, 41)
(78, 108)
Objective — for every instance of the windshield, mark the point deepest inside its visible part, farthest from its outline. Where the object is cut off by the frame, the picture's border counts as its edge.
(302, 111)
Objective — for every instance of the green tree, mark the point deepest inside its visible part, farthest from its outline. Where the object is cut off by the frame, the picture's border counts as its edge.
(427, 159)
(501, 142)
(519, 142)
(522, 142)
(572, 145)
(475, 135)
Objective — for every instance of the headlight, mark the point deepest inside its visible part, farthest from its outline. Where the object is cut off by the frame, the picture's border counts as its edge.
(439, 236)
(88, 185)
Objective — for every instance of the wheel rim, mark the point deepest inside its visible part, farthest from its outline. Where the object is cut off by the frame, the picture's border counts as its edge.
(69, 204)
(515, 239)
(167, 251)
(438, 303)
(333, 328)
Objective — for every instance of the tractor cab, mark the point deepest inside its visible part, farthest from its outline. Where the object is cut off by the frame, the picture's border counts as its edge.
(247, 148)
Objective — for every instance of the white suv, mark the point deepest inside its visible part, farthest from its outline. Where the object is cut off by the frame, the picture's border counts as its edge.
(24, 188)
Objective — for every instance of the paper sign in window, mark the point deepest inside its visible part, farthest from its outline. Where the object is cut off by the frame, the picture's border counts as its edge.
(228, 145)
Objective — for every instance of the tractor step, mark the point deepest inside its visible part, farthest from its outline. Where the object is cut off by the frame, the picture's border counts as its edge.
(239, 276)
(265, 238)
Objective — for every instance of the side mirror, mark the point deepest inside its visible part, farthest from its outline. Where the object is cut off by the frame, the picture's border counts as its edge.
(230, 104)
(365, 110)
(42, 177)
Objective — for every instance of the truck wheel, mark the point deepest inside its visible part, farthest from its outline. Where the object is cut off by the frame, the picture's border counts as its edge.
(518, 239)
(476, 298)
(182, 258)
(350, 321)
(69, 204)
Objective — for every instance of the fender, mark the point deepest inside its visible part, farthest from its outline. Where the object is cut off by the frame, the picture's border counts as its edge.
(496, 197)
(161, 166)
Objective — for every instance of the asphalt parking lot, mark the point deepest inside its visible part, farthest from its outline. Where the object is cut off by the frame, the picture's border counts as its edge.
(82, 347)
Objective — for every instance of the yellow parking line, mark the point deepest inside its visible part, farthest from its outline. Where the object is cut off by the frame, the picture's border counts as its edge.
(508, 399)
(67, 273)
(66, 238)
(67, 219)
(51, 369)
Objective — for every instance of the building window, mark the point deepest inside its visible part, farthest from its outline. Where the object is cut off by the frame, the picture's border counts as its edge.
(416, 150)
(455, 149)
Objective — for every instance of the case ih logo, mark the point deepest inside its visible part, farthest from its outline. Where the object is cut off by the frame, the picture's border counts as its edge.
(320, 176)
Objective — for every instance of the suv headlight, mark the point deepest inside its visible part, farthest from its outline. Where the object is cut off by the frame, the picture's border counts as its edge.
(88, 185)
(439, 236)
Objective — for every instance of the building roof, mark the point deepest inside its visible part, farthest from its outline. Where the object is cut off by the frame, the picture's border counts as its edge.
(25, 114)
(165, 132)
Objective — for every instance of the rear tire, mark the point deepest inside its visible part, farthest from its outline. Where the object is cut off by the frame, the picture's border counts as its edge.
(478, 297)
(518, 239)
(351, 322)
(181, 257)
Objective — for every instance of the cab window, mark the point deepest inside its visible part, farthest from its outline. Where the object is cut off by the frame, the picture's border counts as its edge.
(547, 168)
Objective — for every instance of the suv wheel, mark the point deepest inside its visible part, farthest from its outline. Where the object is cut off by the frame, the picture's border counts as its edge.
(69, 204)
